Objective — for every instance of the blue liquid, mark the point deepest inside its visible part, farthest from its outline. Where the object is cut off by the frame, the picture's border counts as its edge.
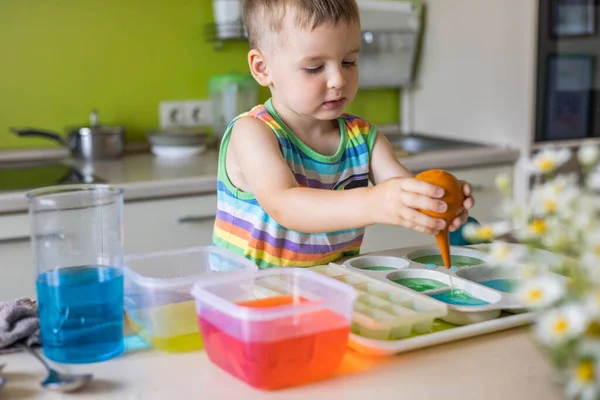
(503, 285)
(458, 297)
(81, 313)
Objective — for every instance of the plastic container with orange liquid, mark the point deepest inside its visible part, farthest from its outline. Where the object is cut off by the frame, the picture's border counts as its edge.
(275, 328)
(158, 303)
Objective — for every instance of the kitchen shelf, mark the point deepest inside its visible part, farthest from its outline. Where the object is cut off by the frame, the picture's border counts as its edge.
(225, 32)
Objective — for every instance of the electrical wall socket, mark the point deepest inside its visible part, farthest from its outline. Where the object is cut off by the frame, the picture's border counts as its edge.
(198, 113)
(185, 113)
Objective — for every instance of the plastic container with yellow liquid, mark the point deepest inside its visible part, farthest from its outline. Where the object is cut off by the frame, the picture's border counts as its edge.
(158, 303)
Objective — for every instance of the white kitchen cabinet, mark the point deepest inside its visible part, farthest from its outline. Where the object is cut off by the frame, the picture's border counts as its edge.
(487, 202)
(149, 225)
(487, 197)
(17, 273)
(385, 237)
(14, 227)
(169, 223)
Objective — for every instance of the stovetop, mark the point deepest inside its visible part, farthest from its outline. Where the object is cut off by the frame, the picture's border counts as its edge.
(23, 176)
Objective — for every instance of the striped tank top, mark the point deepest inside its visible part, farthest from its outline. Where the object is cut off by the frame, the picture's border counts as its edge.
(244, 227)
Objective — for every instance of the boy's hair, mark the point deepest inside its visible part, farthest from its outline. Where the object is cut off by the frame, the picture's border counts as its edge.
(264, 16)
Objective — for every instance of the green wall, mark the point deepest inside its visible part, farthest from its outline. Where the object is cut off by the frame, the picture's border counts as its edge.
(60, 59)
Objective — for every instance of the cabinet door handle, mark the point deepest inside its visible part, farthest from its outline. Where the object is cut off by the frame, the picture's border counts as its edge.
(190, 219)
(15, 239)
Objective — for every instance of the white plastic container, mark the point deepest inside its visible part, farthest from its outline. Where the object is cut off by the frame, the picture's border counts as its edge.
(481, 303)
(158, 303)
(275, 328)
(385, 311)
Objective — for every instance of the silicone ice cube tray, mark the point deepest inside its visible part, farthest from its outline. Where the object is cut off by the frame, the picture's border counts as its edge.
(394, 265)
(385, 311)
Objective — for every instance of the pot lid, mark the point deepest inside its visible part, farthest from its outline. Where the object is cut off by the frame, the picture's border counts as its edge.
(95, 128)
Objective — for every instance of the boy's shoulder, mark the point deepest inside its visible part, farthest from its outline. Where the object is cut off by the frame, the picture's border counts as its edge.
(257, 111)
(358, 124)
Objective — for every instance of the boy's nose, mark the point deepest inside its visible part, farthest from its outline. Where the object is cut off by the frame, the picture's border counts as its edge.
(336, 80)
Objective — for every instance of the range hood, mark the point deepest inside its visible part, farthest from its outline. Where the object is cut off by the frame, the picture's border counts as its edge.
(390, 37)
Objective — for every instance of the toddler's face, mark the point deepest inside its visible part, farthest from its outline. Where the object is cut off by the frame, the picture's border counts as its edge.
(315, 73)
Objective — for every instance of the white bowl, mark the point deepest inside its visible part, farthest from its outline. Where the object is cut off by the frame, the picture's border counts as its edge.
(177, 151)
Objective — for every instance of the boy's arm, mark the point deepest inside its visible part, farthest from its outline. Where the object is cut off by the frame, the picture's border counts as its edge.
(384, 163)
(257, 154)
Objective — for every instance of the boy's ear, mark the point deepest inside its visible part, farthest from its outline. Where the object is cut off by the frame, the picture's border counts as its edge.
(258, 67)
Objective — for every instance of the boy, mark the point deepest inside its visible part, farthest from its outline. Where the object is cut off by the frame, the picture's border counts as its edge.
(294, 172)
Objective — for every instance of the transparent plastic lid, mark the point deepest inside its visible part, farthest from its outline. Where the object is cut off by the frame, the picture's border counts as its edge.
(173, 267)
(309, 291)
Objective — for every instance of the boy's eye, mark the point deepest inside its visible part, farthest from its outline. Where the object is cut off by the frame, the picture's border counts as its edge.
(313, 70)
(348, 63)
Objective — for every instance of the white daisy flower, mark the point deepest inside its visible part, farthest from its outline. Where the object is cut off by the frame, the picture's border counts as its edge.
(487, 232)
(517, 215)
(563, 323)
(584, 216)
(548, 160)
(558, 238)
(506, 254)
(504, 184)
(588, 155)
(535, 230)
(541, 291)
(583, 383)
(556, 196)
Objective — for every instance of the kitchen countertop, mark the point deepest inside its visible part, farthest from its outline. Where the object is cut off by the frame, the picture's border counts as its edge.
(144, 176)
(502, 365)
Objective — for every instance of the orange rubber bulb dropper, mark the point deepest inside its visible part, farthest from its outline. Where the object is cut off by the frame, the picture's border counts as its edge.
(453, 197)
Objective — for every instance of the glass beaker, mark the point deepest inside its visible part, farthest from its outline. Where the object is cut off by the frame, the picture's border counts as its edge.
(77, 243)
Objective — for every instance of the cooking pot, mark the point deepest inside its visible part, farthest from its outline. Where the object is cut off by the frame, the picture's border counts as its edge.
(89, 142)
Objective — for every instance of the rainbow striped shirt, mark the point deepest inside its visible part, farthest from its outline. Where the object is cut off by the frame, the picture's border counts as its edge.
(244, 227)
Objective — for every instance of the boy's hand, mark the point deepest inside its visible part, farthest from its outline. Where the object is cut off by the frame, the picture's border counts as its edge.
(396, 201)
(463, 213)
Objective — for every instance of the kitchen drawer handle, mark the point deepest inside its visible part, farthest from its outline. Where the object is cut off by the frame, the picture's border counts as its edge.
(16, 239)
(190, 219)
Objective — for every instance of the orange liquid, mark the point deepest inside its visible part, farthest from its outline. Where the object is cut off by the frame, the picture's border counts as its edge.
(443, 242)
(279, 363)
(273, 301)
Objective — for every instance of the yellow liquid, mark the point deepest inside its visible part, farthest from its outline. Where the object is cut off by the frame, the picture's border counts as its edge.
(172, 328)
(177, 344)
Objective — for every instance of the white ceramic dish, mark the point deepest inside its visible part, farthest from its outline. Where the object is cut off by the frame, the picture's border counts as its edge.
(174, 152)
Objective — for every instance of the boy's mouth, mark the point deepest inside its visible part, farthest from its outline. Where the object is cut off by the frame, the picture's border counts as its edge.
(333, 104)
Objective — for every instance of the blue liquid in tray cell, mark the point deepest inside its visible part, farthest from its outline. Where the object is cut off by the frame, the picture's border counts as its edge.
(458, 297)
(81, 313)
